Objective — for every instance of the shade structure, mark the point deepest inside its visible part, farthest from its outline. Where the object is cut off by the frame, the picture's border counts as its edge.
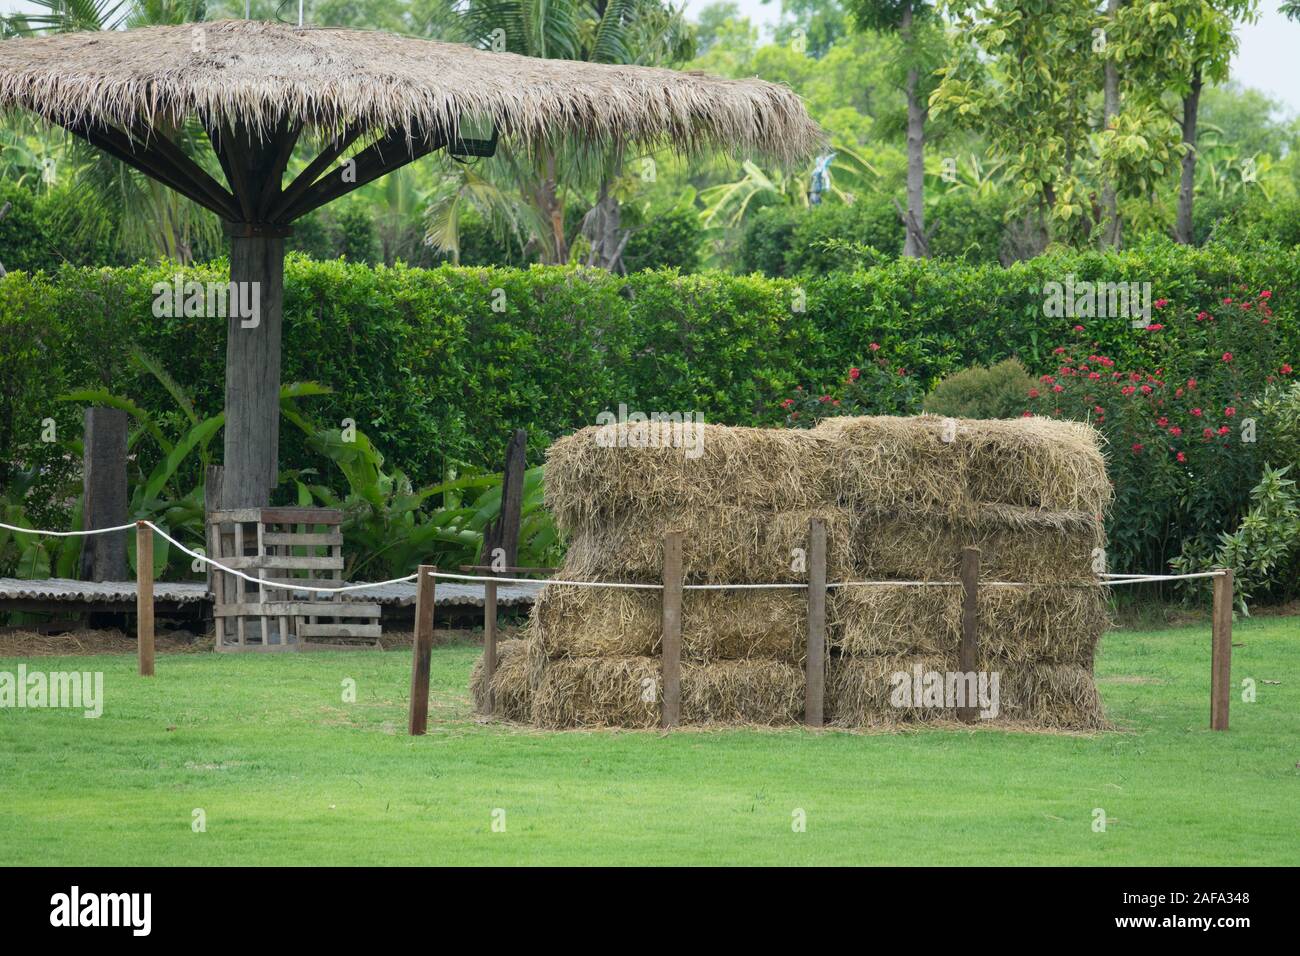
(259, 89)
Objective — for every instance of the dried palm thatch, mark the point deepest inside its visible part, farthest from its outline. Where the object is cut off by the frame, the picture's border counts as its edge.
(869, 691)
(510, 682)
(723, 544)
(935, 464)
(625, 692)
(259, 74)
(572, 621)
(615, 472)
(1045, 623)
(1016, 544)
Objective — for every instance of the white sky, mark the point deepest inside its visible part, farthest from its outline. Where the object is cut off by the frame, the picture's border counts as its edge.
(1269, 59)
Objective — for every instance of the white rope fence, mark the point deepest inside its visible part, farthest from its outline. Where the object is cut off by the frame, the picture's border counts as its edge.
(1107, 580)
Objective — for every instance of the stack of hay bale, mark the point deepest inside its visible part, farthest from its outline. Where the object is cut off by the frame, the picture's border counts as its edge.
(900, 498)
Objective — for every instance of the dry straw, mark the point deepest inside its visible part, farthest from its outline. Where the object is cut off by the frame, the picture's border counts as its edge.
(1045, 623)
(591, 622)
(723, 544)
(247, 72)
(625, 692)
(860, 693)
(510, 683)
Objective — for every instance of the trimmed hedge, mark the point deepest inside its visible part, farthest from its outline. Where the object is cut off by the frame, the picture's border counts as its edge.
(423, 363)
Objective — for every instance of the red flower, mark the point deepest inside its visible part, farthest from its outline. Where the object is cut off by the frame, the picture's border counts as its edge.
(1228, 301)
(1229, 411)
(1162, 421)
(1059, 350)
(1146, 389)
(854, 374)
(1058, 388)
(1227, 356)
(787, 403)
(1208, 433)
(1137, 448)
(1191, 383)
(1202, 316)
(1178, 393)
(1026, 414)
(1161, 303)
(1047, 378)
(1175, 431)
(1078, 328)
(1128, 390)
(874, 346)
(1033, 393)
(1224, 429)
(824, 399)
(1094, 375)
(1196, 412)
(1154, 327)
(1286, 369)
(1182, 458)
(1099, 410)
(1266, 294)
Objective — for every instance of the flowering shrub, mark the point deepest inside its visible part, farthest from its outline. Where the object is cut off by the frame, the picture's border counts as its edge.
(1186, 442)
(877, 387)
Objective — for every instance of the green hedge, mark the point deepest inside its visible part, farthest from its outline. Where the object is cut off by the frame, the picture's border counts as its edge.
(423, 363)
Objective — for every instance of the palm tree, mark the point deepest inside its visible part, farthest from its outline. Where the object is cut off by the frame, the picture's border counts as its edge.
(154, 218)
(530, 193)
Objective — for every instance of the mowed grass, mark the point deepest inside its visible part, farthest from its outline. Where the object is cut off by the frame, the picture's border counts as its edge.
(286, 772)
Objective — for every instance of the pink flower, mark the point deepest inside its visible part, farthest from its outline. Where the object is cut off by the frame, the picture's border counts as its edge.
(1137, 448)
(1182, 458)
(824, 399)
(1196, 412)
(854, 374)
(1026, 414)
(1146, 389)
(1059, 350)
(1229, 411)
(1202, 316)
(1161, 303)
(1266, 294)
(787, 403)
(1058, 388)
(1154, 327)
(1162, 421)
(1228, 301)
(1224, 429)
(1227, 356)
(1286, 369)
(1033, 393)
(874, 346)
(1094, 375)
(1208, 433)
(1047, 378)
(1175, 431)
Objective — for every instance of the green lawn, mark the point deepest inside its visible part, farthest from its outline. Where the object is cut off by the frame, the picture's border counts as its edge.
(287, 773)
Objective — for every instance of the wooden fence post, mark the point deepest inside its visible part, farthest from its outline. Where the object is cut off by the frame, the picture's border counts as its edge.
(672, 636)
(815, 672)
(421, 649)
(1221, 652)
(490, 641)
(144, 597)
(969, 654)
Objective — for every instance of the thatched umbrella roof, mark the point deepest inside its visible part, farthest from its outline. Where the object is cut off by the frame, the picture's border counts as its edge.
(257, 88)
(244, 72)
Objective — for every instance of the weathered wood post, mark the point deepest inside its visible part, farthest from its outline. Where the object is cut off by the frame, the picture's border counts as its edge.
(252, 430)
(815, 674)
(969, 654)
(672, 630)
(104, 494)
(421, 651)
(1221, 651)
(144, 597)
(503, 534)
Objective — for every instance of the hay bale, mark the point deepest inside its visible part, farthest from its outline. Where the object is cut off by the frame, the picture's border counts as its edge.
(571, 621)
(1016, 544)
(605, 472)
(510, 682)
(865, 691)
(720, 545)
(1057, 623)
(627, 692)
(886, 463)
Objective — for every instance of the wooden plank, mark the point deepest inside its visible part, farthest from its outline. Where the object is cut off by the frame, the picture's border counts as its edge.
(299, 609)
(144, 597)
(387, 154)
(301, 516)
(421, 651)
(303, 539)
(815, 674)
(672, 633)
(104, 495)
(1221, 652)
(307, 178)
(339, 630)
(284, 563)
(969, 655)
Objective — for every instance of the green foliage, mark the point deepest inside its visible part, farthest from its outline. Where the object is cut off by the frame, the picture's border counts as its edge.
(669, 240)
(978, 392)
(878, 387)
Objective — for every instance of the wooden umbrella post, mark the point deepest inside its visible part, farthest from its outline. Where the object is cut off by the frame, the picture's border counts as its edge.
(144, 597)
(1221, 651)
(421, 651)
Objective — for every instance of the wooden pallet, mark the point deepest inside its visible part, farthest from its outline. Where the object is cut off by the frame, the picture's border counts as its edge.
(284, 547)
